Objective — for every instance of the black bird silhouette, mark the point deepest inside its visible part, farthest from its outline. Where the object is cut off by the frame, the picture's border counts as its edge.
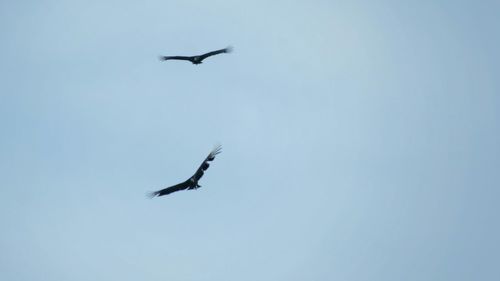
(192, 182)
(197, 59)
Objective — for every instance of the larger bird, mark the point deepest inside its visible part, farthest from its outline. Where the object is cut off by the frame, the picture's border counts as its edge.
(192, 182)
(197, 59)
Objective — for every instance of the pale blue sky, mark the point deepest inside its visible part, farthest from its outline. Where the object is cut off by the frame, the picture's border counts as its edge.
(360, 140)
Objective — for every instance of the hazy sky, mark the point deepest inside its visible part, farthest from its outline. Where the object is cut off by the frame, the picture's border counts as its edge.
(360, 140)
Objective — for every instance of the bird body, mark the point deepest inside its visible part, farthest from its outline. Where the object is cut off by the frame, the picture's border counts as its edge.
(192, 182)
(197, 59)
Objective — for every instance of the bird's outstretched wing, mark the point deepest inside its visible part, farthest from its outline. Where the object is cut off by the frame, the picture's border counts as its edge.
(221, 51)
(168, 190)
(194, 179)
(204, 166)
(162, 58)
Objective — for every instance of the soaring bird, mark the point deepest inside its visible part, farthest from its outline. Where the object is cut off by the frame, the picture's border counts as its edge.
(192, 182)
(197, 59)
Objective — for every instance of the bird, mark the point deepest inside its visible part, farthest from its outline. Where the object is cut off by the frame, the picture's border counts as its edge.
(197, 59)
(192, 182)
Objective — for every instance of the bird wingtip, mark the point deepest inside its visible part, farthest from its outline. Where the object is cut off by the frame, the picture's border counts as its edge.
(152, 195)
(217, 149)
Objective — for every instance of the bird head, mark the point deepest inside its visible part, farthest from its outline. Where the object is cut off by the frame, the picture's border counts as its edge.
(196, 60)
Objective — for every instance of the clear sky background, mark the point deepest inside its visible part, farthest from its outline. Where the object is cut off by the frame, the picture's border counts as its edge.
(360, 140)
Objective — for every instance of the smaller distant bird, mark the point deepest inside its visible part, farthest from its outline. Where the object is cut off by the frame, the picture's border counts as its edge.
(197, 59)
(192, 182)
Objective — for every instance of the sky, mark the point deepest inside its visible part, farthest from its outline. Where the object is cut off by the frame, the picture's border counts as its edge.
(360, 140)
